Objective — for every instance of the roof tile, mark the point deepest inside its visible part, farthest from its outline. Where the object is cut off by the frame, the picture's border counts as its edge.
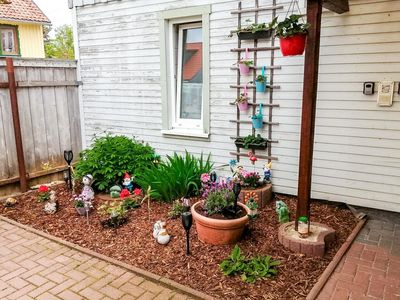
(22, 10)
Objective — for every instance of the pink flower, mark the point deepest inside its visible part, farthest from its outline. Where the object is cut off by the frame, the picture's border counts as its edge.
(205, 177)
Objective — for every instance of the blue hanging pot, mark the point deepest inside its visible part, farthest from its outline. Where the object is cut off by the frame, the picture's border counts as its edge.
(260, 86)
(257, 123)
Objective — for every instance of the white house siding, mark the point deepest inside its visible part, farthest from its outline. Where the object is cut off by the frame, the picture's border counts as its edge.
(357, 144)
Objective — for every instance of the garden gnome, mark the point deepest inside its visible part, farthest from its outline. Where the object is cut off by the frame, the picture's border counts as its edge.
(283, 211)
(127, 183)
(87, 192)
(267, 172)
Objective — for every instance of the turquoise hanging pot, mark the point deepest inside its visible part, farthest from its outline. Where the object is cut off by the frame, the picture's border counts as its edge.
(257, 119)
(261, 85)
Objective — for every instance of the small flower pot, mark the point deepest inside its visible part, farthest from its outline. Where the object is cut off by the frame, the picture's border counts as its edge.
(244, 69)
(293, 45)
(261, 86)
(81, 211)
(243, 106)
(257, 123)
(217, 231)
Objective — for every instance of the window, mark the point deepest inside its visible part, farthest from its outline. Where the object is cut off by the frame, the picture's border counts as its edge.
(9, 40)
(185, 72)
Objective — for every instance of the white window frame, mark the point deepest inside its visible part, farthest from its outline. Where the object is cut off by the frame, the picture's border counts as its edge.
(170, 85)
(178, 121)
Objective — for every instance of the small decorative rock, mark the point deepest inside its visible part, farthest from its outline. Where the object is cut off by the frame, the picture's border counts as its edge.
(10, 202)
(51, 206)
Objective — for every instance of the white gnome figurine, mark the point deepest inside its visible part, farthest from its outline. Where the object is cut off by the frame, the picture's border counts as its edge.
(87, 192)
(51, 206)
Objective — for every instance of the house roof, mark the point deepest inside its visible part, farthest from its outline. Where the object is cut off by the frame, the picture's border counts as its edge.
(22, 10)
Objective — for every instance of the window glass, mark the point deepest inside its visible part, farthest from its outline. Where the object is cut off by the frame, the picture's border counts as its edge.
(8, 41)
(191, 79)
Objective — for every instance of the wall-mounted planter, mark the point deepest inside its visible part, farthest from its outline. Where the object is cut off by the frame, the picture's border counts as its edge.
(248, 35)
(293, 45)
(257, 123)
(261, 146)
(261, 86)
(243, 106)
(244, 69)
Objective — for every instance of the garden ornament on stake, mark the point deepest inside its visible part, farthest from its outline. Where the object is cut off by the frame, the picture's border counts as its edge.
(236, 190)
(68, 157)
(267, 172)
(283, 211)
(87, 192)
(213, 176)
(187, 221)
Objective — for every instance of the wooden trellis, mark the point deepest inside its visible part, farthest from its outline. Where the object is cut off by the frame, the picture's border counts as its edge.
(254, 102)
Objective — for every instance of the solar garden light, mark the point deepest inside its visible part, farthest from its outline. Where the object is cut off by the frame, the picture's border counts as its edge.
(213, 176)
(68, 157)
(236, 190)
(187, 221)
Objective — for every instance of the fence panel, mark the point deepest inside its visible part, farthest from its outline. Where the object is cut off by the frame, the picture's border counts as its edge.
(47, 92)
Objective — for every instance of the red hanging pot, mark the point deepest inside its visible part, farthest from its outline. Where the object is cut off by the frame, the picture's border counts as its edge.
(293, 45)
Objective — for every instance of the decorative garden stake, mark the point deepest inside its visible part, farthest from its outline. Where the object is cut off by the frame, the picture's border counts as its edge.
(187, 221)
(303, 228)
(68, 157)
(283, 211)
(87, 192)
(236, 190)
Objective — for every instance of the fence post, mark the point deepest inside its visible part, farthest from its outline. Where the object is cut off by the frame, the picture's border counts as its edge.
(23, 182)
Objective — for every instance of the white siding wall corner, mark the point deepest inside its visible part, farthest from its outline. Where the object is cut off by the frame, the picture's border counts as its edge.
(357, 144)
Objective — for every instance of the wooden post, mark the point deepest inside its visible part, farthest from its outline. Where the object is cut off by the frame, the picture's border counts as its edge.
(23, 182)
(310, 86)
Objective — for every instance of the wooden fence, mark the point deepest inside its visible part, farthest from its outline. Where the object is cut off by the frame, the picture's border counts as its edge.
(48, 108)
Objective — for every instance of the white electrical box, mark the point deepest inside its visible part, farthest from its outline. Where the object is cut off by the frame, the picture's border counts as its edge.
(385, 93)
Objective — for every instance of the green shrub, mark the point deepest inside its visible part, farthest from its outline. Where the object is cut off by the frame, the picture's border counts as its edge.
(178, 176)
(110, 157)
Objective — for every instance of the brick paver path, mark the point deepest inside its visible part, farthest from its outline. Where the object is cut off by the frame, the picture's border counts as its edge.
(371, 267)
(32, 267)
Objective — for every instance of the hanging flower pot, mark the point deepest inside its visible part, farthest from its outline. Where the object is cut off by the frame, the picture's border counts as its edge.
(292, 34)
(257, 119)
(242, 100)
(293, 45)
(261, 82)
(245, 64)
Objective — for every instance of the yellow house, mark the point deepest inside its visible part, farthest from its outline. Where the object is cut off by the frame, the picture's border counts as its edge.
(21, 29)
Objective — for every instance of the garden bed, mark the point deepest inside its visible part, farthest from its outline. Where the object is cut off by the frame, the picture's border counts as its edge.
(133, 243)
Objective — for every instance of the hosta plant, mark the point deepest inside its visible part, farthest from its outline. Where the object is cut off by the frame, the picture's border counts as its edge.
(249, 269)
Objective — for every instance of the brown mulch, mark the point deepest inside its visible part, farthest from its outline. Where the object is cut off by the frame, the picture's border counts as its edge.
(133, 243)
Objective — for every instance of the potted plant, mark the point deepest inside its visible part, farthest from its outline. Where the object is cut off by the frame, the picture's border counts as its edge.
(292, 34)
(115, 214)
(217, 222)
(261, 83)
(254, 31)
(251, 141)
(302, 228)
(242, 102)
(244, 66)
(257, 119)
(82, 205)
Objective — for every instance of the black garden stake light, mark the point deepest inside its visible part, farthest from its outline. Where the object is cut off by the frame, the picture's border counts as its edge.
(69, 156)
(187, 221)
(213, 176)
(236, 190)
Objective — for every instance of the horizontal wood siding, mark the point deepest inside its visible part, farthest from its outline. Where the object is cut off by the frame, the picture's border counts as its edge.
(357, 157)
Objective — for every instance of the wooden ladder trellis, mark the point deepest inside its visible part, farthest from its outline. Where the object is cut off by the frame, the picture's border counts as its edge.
(271, 68)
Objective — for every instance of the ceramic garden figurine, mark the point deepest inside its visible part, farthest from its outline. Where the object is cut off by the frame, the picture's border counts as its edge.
(303, 227)
(87, 192)
(160, 233)
(51, 206)
(114, 191)
(252, 205)
(283, 211)
(127, 183)
(10, 202)
(267, 172)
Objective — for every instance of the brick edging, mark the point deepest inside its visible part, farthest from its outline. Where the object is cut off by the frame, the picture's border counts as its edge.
(168, 283)
(313, 294)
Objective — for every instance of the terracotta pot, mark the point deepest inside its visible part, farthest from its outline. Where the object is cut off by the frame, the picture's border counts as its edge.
(219, 232)
(293, 45)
